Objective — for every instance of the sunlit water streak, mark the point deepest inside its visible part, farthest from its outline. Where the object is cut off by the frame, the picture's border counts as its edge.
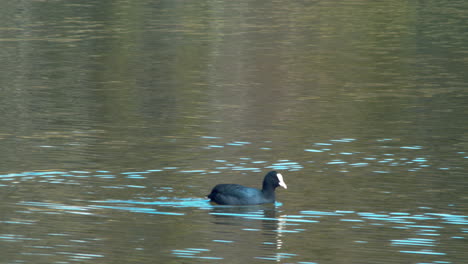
(194, 253)
(59, 208)
(131, 205)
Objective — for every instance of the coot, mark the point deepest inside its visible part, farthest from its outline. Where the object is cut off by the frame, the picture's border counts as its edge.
(235, 194)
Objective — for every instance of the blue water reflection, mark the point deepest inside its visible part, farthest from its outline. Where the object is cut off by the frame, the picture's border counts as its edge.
(193, 253)
(165, 201)
(137, 210)
(156, 193)
(59, 208)
(410, 158)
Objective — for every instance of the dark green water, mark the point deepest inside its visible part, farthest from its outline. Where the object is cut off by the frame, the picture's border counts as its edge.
(118, 118)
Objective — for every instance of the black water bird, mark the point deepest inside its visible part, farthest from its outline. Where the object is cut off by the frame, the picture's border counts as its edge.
(235, 194)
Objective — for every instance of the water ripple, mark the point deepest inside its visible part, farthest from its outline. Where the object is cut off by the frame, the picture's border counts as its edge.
(162, 201)
(193, 253)
(138, 210)
(59, 208)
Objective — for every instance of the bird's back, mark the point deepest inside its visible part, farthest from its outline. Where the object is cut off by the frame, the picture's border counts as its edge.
(236, 194)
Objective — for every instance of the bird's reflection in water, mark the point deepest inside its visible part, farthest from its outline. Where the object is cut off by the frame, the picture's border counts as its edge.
(260, 219)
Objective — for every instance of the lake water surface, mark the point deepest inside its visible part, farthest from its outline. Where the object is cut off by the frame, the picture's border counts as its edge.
(118, 119)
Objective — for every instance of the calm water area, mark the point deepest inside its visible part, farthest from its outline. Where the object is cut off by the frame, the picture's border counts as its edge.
(118, 117)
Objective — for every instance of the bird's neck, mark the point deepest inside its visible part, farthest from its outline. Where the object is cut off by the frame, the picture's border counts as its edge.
(268, 191)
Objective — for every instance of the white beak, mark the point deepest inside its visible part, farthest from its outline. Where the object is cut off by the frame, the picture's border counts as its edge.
(281, 181)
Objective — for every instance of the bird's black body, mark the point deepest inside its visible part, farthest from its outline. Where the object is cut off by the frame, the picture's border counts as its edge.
(235, 194)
